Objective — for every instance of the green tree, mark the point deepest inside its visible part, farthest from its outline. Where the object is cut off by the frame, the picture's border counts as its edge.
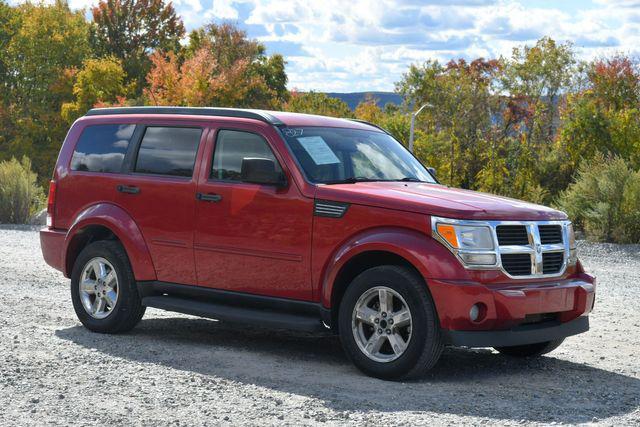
(49, 42)
(603, 117)
(131, 30)
(9, 23)
(101, 81)
(317, 103)
(394, 120)
(460, 104)
(604, 200)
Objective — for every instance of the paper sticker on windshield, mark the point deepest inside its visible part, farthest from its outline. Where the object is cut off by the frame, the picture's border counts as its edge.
(318, 150)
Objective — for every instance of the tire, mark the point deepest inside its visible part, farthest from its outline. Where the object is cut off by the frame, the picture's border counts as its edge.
(530, 350)
(421, 342)
(105, 256)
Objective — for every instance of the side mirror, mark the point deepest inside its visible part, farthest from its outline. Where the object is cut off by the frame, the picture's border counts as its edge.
(432, 171)
(261, 171)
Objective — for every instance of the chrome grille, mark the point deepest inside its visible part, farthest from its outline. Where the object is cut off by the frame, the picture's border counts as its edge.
(552, 262)
(517, 264)
(512, 235)
(550, 234)
(532, 249)
(521, 249)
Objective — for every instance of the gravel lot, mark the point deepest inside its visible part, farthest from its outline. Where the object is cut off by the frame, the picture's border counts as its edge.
(179, 370)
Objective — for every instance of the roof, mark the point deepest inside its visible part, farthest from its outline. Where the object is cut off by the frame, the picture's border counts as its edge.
(276, 118)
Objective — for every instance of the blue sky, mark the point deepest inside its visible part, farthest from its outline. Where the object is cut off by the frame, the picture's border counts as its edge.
(362, 45)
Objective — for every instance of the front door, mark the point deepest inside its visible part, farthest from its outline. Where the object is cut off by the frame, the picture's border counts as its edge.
(249, 237)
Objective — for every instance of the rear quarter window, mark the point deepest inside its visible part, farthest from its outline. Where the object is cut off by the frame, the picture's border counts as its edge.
(101, 148)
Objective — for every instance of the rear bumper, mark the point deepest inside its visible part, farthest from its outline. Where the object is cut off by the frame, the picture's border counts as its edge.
(519, 335)
(52, 245)
(510, 310)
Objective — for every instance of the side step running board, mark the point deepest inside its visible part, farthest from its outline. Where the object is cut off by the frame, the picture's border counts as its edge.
(235, 314)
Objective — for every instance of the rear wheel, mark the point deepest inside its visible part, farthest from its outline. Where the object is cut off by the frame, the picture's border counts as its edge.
(388, 324)
(103, 289)
(531, 350)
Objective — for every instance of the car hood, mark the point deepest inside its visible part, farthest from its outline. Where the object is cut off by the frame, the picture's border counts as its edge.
(439, 200)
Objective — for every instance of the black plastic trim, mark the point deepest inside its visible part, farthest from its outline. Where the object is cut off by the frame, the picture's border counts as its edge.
(520, 335)
(260, 115)
(236, 314)
(155, 288)
(329, 208)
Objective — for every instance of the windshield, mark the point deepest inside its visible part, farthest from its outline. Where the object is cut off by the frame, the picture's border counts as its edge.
(336, 155)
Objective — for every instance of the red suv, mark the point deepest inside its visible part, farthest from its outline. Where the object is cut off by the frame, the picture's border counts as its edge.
(305, 222)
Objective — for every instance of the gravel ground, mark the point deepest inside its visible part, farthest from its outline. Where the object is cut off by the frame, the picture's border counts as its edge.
(180, 370)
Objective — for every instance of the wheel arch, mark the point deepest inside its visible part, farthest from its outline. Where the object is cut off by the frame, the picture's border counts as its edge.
(385, 246)
(105, 221)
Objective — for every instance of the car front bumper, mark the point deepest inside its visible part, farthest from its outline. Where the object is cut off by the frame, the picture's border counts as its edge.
(519, 335)
(513, 313)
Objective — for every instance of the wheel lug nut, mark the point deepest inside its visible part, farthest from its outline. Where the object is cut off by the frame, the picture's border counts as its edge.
(377, 320)
(388, 331)
(391, 321)
(379, 331)
(384, 314)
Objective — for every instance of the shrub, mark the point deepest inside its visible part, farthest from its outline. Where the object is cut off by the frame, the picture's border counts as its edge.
(20, 195)
(604, 201)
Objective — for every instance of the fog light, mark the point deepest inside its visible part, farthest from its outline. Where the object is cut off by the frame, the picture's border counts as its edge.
(478, 312)
(478, 259)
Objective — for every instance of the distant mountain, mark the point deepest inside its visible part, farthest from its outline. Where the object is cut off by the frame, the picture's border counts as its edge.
(354, 98)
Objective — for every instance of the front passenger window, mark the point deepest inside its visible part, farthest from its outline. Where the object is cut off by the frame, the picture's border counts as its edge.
(232, 147)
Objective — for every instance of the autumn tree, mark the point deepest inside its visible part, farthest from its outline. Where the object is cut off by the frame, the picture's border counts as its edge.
(235, 53)
(215, 73)
(392, 119)
(460, 105)
(317, 103)
(603, 118)
(131, 30)
(100, 81)
(48, 40)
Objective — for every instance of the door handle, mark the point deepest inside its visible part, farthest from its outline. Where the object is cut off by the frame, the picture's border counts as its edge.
(208, 197)
(127, 189)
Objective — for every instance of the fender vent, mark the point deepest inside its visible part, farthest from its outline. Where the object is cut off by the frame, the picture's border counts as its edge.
(330, 209)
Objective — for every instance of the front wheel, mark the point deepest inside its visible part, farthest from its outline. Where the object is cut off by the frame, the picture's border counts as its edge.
(388, 324)
(103, 289)
(530, 350)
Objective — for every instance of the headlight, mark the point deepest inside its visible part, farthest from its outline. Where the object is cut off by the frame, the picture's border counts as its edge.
(473, 244)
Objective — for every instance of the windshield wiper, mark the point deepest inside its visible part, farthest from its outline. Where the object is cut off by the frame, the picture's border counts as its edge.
(409, 179)
(352, 180)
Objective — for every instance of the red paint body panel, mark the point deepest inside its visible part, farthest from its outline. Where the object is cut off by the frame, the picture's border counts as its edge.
(435, 199)
(266, 240)
(126, 230)
(257, 239)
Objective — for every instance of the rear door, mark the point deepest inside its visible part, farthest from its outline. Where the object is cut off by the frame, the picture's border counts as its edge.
(251, 238)
(159, 194)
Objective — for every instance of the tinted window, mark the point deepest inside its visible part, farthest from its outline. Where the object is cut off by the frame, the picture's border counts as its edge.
(234, 146)
(168, 151)
(101, 148)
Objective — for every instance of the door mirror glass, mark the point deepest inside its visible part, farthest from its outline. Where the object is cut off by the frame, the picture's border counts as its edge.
(257, 170)
(432, 171)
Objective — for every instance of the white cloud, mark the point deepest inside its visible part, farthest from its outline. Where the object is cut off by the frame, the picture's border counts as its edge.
(338, 45)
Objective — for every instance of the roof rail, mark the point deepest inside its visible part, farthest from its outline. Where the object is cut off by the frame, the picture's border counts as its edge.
(370, 124)
(263, 116)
